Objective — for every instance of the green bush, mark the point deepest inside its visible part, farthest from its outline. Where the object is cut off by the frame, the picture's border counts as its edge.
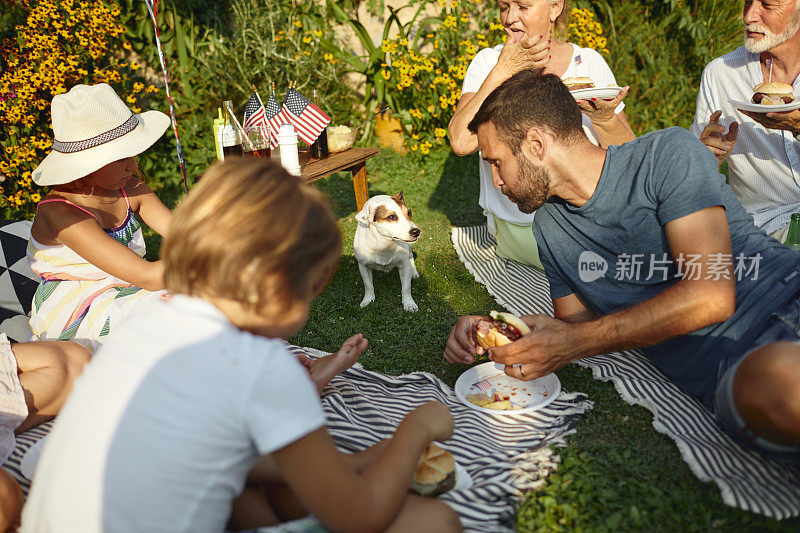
(659, 48)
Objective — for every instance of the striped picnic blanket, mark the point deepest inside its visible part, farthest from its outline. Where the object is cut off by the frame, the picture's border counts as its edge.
(745, 479)
(504, 455)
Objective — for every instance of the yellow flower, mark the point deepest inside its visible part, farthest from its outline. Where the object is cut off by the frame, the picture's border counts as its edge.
(440, 132)
(298, 23)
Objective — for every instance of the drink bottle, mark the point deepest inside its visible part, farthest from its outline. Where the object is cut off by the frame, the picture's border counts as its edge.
(793, 237)
(319, 148)
(231, 141)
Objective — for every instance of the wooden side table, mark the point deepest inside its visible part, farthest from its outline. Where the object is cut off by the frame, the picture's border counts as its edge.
(354, 160)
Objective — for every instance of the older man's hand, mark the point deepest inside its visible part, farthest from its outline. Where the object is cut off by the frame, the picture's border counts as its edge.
(549, 346)
(787, 120)
(718, 140)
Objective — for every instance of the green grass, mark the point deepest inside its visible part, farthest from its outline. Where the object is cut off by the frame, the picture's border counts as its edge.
(618, 473)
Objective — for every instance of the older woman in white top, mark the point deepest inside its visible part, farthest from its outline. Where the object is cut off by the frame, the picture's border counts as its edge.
(533, 28)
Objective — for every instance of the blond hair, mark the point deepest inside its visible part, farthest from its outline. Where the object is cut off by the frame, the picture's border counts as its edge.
(246, 225)
(562, 22)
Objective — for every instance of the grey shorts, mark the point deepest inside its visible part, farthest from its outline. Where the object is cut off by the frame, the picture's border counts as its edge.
(783, 325)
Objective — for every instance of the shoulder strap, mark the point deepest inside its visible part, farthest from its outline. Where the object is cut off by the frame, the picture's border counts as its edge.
(65, 201)
(127, 202)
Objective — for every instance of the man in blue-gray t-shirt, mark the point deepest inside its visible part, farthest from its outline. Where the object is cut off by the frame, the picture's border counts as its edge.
(645, 246)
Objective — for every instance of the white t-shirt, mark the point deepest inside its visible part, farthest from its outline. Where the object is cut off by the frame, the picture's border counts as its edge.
(584, 62)
(764, 168)
(166, 421)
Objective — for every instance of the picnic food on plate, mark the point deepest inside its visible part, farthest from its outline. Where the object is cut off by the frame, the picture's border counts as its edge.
(435, 473)
(495, 401)
(573, 84)
(773, 93)
(504, 328)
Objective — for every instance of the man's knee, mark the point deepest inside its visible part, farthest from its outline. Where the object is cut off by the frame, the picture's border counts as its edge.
(769, 378)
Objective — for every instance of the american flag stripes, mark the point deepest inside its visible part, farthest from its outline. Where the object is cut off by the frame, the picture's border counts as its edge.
(254, 114)
(308, 119)
(483, 384)
(275, 117)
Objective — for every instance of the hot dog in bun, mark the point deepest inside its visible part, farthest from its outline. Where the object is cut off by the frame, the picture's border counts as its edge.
(573, 84)
(773, 93)
(503, 329)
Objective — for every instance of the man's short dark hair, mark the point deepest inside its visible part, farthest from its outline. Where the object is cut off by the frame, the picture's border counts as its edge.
(529, 99)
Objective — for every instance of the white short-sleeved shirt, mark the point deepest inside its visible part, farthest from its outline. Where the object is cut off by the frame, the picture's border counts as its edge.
(166, 421)
(584, 62)
(765, 163)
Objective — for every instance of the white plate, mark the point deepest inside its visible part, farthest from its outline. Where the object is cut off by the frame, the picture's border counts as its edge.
(759, 108)
(530, 395)
(463, 479)
(604, 93)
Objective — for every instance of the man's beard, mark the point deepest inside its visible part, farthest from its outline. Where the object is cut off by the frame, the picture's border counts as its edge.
(532, 186)
(770, 40)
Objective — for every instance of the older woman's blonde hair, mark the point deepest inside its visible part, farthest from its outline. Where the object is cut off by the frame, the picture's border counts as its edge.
(250, 232)
(562, 22)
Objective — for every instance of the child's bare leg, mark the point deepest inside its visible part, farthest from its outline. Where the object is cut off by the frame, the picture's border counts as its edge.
(47, 371)
(251, 509)
(325, 368)
(422, 515)
(10, 502)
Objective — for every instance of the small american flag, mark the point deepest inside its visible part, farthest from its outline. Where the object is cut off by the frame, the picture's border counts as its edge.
(308, 119)
(578, 60)
(254, 114)
(275, 117)
(483, 384)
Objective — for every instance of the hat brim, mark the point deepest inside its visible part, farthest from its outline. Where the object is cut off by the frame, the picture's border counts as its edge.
(58, 168)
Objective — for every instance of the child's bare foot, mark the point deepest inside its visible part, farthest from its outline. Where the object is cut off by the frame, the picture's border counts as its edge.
(323, 369)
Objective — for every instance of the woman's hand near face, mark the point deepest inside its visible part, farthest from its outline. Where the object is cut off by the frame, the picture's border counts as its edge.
(529, 53)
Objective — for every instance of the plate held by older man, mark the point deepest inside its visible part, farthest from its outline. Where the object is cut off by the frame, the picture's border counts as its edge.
(764, 108)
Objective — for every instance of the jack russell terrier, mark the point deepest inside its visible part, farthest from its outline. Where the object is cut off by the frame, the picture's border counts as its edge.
(383, 241)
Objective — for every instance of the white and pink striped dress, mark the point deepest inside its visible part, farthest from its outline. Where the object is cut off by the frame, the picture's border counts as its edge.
(77, 301)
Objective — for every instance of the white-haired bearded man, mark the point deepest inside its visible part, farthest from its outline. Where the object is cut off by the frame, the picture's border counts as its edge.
(762, 149)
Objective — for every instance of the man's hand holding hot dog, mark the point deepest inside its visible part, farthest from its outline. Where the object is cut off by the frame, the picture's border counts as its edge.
(462, 344)
(549, 346)
(719, 140)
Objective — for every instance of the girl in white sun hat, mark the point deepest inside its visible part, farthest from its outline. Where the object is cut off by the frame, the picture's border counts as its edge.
(86, 242)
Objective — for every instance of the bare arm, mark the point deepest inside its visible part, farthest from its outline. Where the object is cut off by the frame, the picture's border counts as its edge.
(532, 52)
(688, 305)
(344, 500)
(611, 127)
(571, 308)
(147, 205)
(84, 236)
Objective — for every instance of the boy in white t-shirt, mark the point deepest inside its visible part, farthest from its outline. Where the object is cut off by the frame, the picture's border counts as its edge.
(532, 43)
(196, 394)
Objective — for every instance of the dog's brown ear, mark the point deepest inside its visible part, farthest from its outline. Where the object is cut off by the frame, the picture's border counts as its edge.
(399, 198)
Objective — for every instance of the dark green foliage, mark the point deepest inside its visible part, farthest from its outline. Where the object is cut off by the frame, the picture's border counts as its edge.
(659, 48)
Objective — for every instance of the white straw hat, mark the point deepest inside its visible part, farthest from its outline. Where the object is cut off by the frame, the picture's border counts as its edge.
(93, 127)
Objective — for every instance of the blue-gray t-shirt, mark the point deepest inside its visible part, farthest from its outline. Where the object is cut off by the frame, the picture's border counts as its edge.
(613, 253)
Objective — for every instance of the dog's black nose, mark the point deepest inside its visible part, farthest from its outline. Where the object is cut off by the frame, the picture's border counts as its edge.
(414, 232)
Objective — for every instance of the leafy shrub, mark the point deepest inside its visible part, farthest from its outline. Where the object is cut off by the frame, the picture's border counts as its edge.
(659, 48)
(46, 47)
(426, 63)
(276, 42)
